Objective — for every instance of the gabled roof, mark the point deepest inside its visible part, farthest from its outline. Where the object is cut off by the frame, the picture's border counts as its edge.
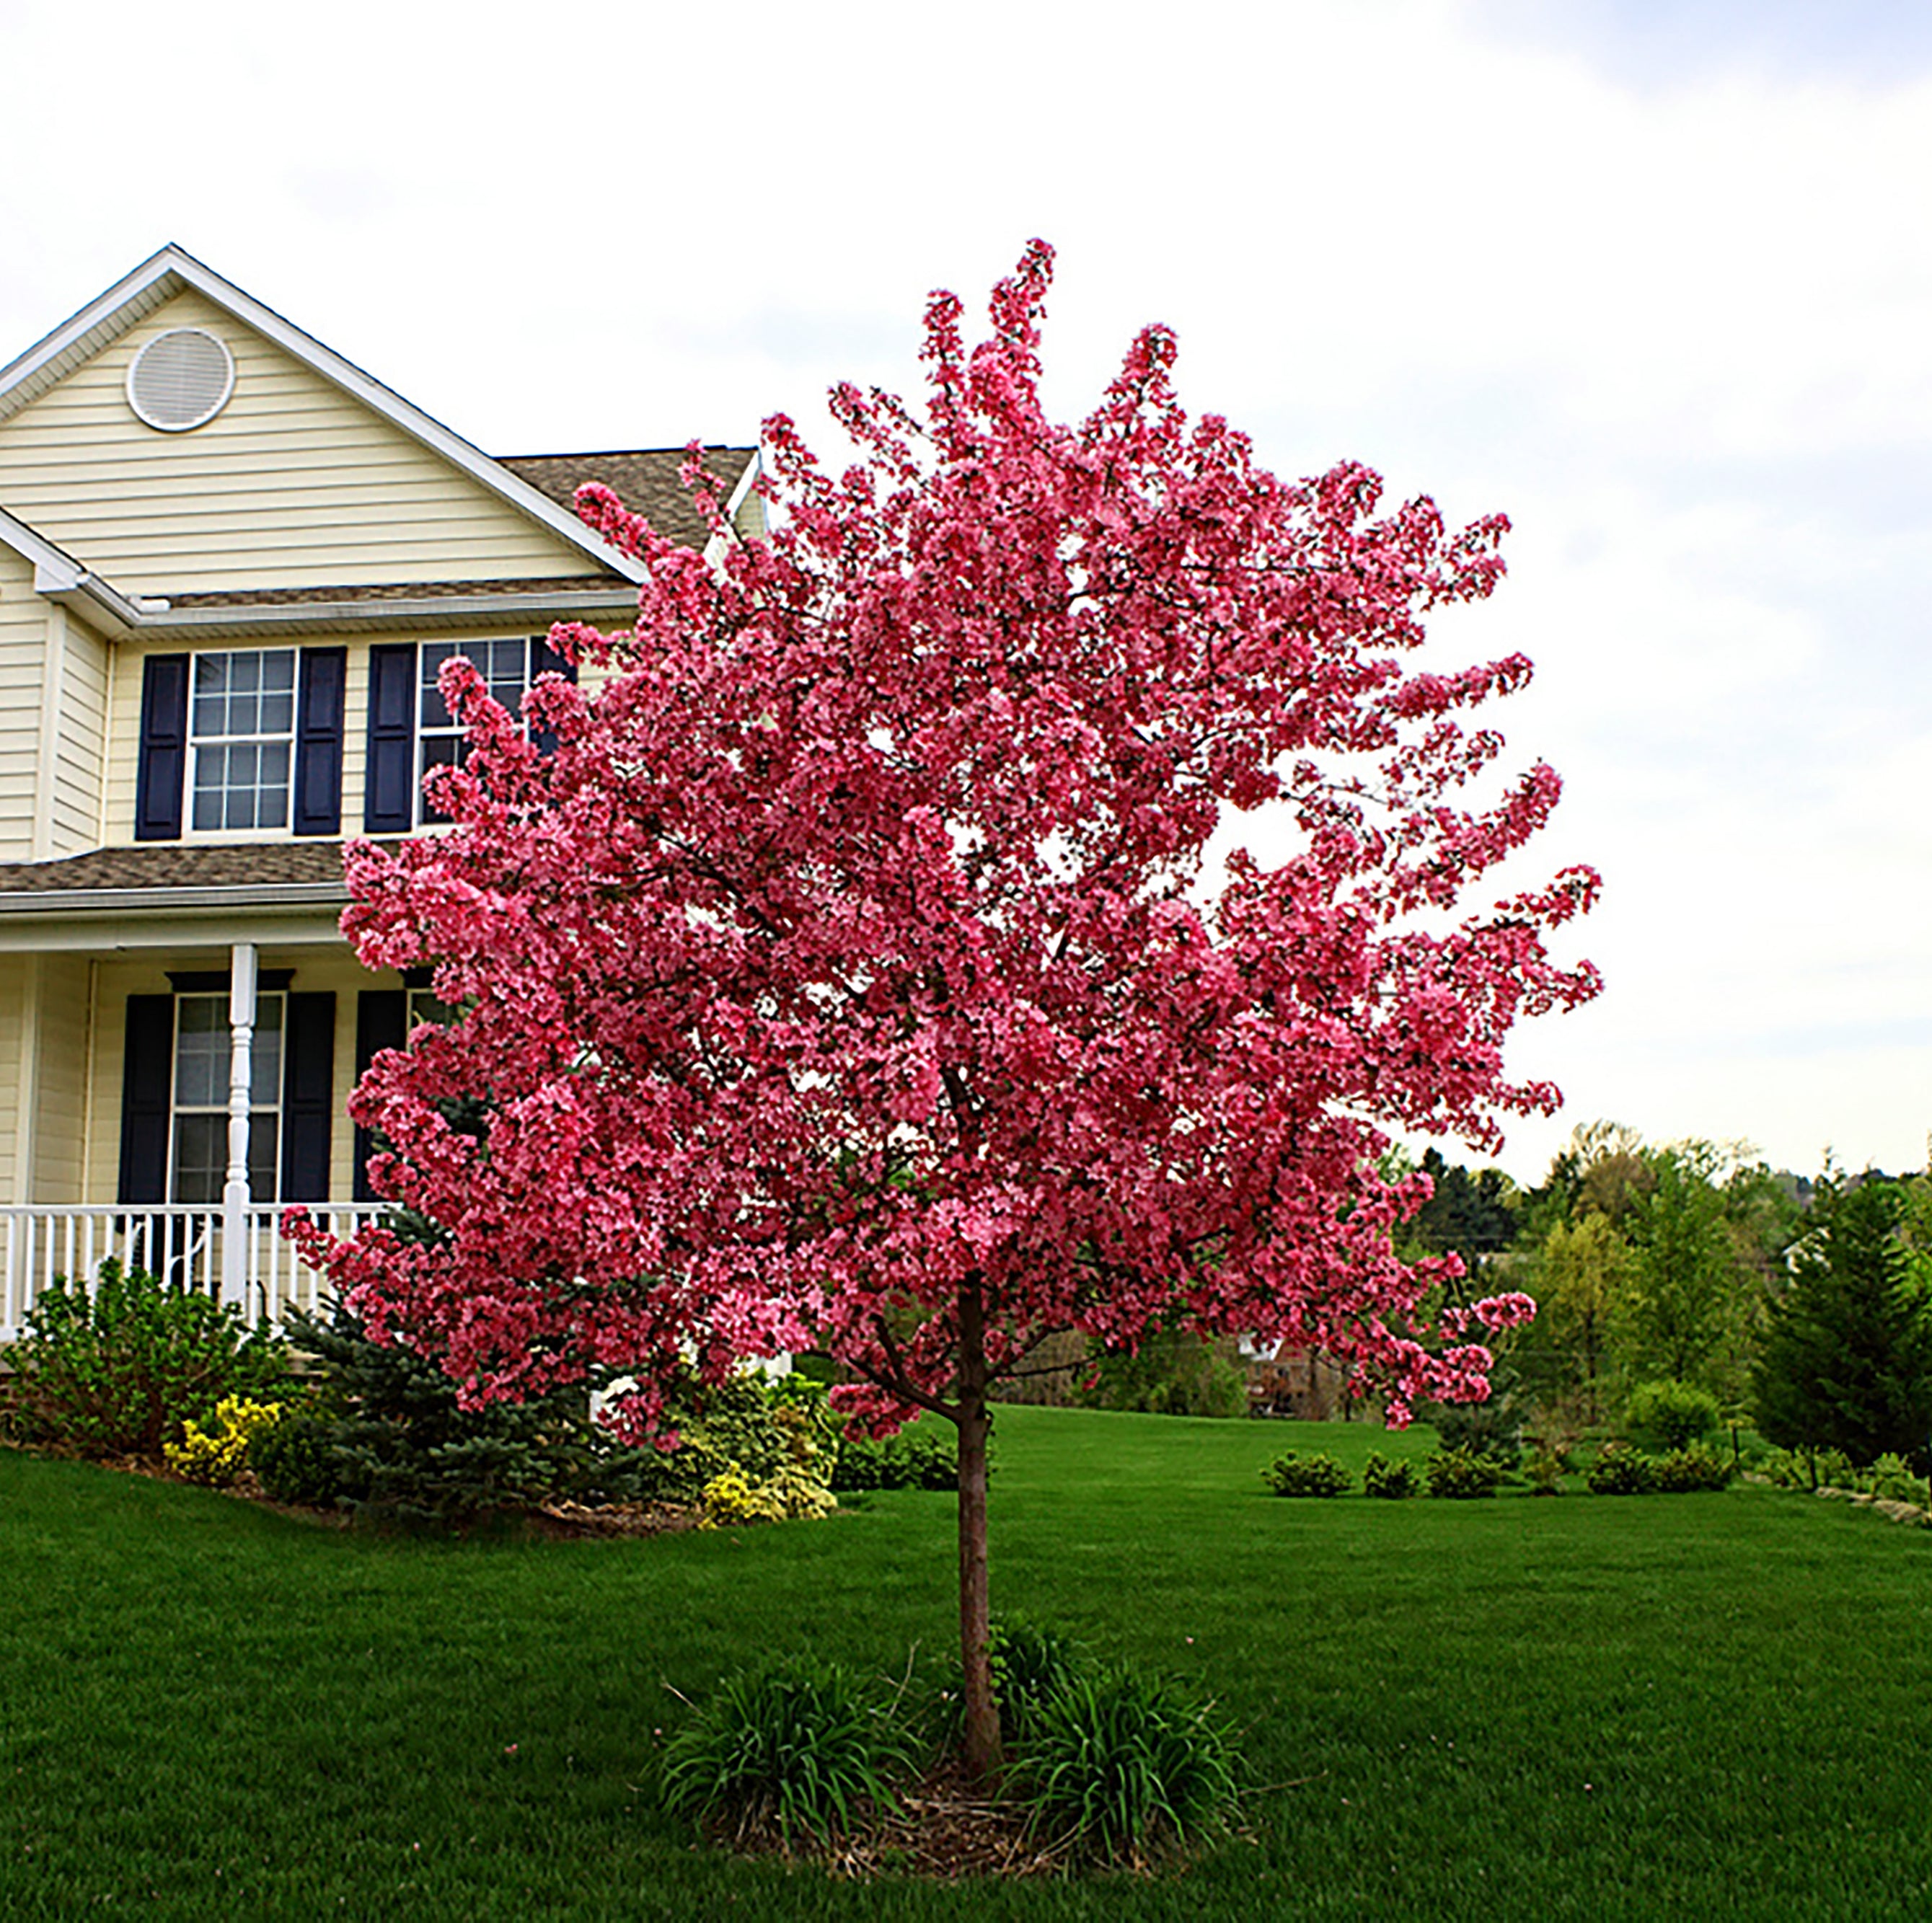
(172, 270)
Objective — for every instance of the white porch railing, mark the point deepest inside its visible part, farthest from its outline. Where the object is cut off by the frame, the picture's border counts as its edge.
(180, 1243)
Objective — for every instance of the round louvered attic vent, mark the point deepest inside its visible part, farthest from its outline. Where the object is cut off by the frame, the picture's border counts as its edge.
(181, 379)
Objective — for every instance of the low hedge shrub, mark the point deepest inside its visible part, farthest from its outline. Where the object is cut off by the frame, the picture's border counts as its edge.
(1292, 1475)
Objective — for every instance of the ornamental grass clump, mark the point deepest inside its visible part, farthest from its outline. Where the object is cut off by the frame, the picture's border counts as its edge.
(800, 1750)
(1118, 1767)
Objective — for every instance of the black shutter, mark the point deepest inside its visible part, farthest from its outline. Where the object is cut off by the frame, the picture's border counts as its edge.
(381, 1021)
(389, 783)
(308, 1096)
(163, 765)
(319, 741)
(544, 659)
(147, 1098)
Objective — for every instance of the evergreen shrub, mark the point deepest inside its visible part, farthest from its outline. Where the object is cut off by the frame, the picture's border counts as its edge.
(1461, 1475)
(1292, 1475)
(1393, 1481)
(1620, 1470)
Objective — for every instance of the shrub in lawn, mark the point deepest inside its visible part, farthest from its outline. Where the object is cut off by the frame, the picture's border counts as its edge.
(1545, 1468)
(1392, 1479)
(798, 1749)
(1114, 1766)
(1292, 1475)
(118, 1369)
(1620, 1470)
(1684, 1471)
(1672, 1415)
(215, 1454)
(1459, 1475)
(922, 1457)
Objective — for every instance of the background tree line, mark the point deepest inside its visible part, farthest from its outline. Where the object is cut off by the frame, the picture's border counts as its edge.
(1801, 1309)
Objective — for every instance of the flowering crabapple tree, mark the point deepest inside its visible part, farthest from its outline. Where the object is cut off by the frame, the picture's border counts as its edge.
(853, 973)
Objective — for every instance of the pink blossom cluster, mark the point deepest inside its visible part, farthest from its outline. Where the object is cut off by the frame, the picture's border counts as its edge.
(855, 952)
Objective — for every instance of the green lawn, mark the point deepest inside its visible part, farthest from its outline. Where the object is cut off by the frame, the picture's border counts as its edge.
(1695, 1706)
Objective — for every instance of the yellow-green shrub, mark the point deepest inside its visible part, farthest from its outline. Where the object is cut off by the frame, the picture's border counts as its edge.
(215, 1456)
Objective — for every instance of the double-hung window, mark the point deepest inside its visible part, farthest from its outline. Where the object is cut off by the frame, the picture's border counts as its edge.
(242, 729)
(202, 1060)
(505, 666)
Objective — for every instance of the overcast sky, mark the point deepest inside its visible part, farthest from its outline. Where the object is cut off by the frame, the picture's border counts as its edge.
(1654, 279)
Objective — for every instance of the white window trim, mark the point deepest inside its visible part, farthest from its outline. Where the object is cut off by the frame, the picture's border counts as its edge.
(196, 741)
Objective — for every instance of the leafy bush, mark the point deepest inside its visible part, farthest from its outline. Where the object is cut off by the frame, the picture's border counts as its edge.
(1116, 1766)
(1292, 1475)
(1891, 1479)
(216, 1455)
(1833, 1469)
(1171, 1373)
(790, 1494)
(1788, 1468)
(924, 1457)
(1620, 1470)
(797, 1749)
(1685, 1472)
(1460, 1475)
(294, 1463)
(1673, 1414)
(1393, 1481)
(1546, 1469)
(119, 1369)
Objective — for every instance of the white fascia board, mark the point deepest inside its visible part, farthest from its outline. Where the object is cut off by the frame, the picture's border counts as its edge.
(164, 273)
(58, 576)
(97, 920)
(716, 547)
(438, 611)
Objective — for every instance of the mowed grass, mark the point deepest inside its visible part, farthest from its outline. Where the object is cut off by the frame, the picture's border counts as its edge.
(1694, 1706)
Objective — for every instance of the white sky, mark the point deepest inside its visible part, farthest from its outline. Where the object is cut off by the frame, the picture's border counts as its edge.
(1655, 279)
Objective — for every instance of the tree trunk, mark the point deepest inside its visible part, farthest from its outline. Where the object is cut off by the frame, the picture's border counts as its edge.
(982, 1726)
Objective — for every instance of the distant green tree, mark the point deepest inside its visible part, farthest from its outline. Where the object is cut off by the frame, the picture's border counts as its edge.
(1847, 1359)
(1581, 1279)
(1689, 1296)
(1472, 1213)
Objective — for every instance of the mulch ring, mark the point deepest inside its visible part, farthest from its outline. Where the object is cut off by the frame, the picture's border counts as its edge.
(948, 1827)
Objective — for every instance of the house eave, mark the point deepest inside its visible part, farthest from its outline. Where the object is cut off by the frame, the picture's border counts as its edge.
(441, 612)
(110, 919)
(172, 270)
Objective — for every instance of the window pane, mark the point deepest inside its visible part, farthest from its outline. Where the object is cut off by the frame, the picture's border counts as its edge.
(265, 1134)
(201, 1157)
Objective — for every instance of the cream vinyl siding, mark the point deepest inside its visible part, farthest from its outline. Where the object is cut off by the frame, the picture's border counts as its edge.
(64, 999)
(293, 484)
(12, 1005)
(79, 741)
(24, 617)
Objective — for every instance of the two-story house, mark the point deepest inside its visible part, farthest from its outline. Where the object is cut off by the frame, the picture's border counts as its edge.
(231, 563)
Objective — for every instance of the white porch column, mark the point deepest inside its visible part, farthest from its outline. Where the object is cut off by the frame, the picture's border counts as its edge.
(234, 1197)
